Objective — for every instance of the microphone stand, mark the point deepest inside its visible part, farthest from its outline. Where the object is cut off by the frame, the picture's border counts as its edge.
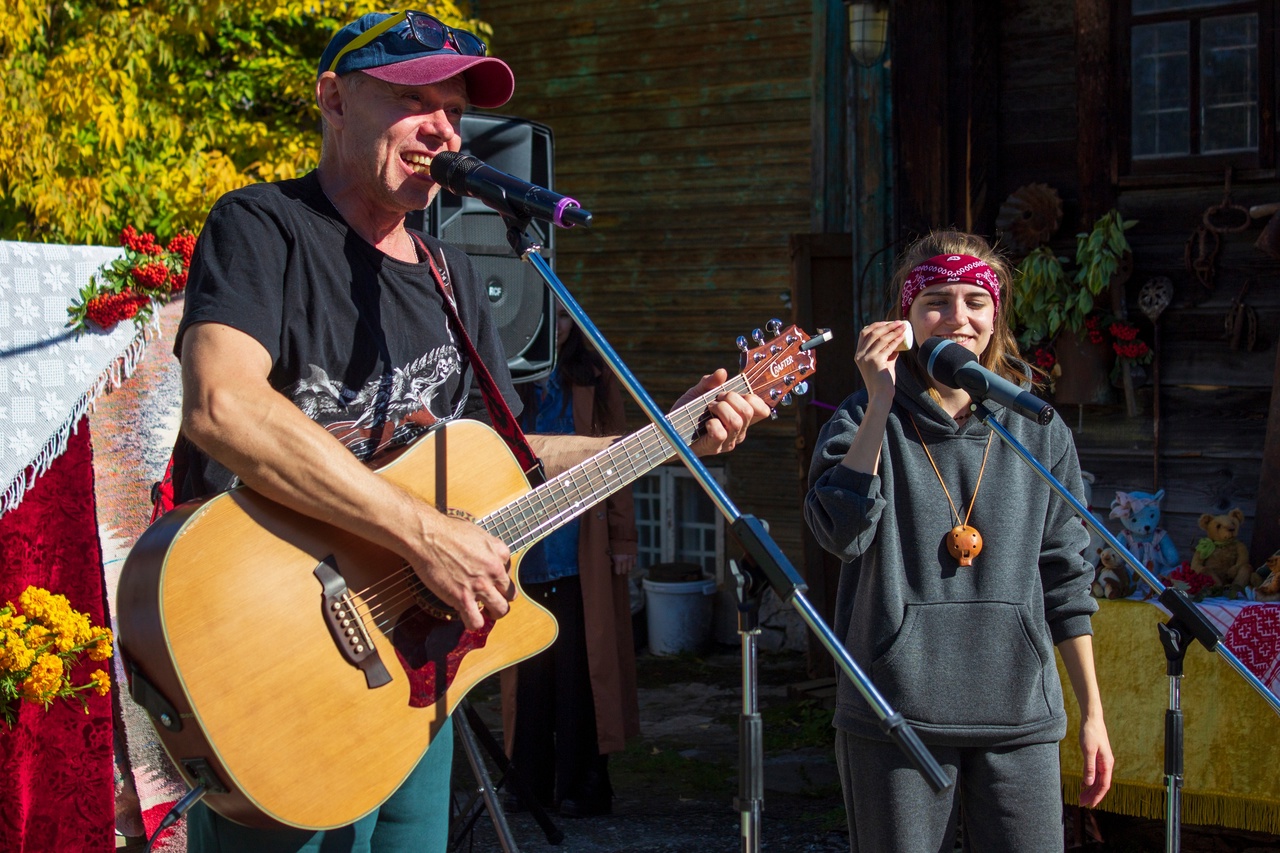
(749, 531)
(1187, 622)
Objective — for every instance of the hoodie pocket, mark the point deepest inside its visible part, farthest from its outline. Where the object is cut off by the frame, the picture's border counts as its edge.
(965, 664)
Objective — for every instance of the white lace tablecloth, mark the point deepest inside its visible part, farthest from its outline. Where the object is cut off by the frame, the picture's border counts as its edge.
(50, 375)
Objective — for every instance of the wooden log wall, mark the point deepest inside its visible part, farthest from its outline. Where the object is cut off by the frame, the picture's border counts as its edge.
(684, 126)
(1214, 399)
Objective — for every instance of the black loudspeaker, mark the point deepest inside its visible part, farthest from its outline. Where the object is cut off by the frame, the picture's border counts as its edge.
(522, 304)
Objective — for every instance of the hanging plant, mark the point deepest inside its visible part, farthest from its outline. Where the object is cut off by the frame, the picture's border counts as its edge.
(1100, 254)
(1038, 307)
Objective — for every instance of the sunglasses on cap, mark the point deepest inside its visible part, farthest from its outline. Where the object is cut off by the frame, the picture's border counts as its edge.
(430, 32)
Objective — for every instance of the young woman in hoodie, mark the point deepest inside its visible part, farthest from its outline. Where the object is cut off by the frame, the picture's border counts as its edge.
(905, 482)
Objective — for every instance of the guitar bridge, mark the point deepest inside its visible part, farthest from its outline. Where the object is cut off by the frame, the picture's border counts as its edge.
(346, 626)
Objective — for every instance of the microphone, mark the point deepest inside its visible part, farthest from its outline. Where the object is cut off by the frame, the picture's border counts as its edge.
(956, 367)
(464, 175)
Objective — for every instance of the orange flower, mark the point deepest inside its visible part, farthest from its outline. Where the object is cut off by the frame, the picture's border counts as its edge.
(45, 680)
(101, 649)
(15, 655)
(100, 681)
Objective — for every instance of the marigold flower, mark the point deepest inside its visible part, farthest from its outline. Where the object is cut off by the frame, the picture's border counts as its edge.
(45, 680)
(15, 654)
(101, 649)
(37, 637)
(100, 681)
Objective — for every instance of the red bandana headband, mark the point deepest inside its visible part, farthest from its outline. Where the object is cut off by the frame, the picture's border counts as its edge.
(950, 269)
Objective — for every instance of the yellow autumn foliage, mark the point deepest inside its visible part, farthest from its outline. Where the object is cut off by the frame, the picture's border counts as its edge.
(143, 112)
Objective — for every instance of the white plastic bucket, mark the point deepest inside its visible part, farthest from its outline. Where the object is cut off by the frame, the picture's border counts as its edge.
(679, 614)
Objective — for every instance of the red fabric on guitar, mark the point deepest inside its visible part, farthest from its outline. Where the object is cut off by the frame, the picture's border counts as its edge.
(56, 790)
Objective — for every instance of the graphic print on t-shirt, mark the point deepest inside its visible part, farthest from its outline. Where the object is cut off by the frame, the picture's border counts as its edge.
(390, 410)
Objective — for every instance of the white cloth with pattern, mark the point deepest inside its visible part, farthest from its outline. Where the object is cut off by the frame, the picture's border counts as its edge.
(49, 374)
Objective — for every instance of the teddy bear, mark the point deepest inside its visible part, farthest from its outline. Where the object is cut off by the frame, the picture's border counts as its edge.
(1112, 579)
(1268, 586)
(1220, 554)
(1139, 514)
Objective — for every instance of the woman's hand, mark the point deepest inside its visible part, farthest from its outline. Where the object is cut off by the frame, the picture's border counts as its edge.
(1095, 781)
(877, 356)
(623, 563)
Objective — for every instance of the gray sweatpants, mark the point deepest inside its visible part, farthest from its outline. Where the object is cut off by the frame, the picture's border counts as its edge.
(1008, 799)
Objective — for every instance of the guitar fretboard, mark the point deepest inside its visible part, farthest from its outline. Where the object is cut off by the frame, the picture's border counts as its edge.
(565, 496)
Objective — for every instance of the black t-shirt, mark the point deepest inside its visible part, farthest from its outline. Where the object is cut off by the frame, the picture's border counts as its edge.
(359, 341)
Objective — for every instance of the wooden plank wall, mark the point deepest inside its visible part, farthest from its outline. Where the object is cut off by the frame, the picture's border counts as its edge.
(1214, 400)
(684, 126)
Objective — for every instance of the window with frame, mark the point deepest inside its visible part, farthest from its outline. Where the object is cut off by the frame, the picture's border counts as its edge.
(1199, 83)
(676, 521)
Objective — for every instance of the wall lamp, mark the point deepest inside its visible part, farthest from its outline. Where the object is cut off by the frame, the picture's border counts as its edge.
(868, 31)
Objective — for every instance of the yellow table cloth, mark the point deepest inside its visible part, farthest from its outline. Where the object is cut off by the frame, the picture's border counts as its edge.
(1231, 750)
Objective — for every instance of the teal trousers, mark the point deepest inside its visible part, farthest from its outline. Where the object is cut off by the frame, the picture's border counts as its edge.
(414, 818)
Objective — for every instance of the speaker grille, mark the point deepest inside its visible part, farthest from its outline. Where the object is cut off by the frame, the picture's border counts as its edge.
(521, 302)
(517, 294)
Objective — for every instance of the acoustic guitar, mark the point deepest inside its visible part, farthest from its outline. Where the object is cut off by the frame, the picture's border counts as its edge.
(298, 672)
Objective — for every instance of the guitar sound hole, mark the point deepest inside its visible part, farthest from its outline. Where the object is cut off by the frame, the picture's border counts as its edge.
(429, 601)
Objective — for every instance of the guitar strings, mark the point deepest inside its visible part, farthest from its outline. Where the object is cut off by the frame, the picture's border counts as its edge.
(513, 518)
(593, 479)
(377, 610)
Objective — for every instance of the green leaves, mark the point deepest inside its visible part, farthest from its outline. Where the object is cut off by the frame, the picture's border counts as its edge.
(1046, 299)
(143, 112)
(1098, 253)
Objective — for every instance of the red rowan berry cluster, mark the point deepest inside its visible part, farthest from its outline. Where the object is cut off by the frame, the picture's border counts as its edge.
(143, 244)
(126, 288)
(1191, 581)
(150, 276)
(1126, 343)
(1043, 358)
(183, 245)
(1093, 329)
(107, 309)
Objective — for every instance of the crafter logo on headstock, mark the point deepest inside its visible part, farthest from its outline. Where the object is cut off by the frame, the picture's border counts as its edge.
(778, 367)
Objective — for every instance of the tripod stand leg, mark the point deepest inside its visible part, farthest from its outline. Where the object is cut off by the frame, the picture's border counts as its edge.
(483, 737)
(1173, 765)
(485, 789)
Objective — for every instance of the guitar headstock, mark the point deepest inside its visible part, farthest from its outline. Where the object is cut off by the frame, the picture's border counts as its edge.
(779, 366)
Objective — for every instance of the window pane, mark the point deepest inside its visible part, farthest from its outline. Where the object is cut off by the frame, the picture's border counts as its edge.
(696, 520)
(648, 497)
(1229, 83)
(1143, 7)
(1161, 89)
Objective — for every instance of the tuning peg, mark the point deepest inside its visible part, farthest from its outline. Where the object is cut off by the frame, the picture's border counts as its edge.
(786, 400)
(757, 336)
(801, 388)
(773, 414)
(743, 346)
(773, 327)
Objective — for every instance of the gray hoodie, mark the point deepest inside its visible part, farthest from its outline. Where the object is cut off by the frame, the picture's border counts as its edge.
(964, 653)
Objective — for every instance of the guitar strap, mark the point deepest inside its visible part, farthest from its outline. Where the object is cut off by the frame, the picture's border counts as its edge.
(499, 412)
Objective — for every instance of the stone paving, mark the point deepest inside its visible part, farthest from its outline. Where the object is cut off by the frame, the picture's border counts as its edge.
(676, 785)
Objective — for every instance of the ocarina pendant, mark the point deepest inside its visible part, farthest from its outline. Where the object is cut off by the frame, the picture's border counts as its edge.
(964, 543)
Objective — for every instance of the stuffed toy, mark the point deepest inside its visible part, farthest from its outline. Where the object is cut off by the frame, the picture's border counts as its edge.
(1267, 580)
(1112, 579)
(1096, 542)
(1139, 513)
(1220, 554)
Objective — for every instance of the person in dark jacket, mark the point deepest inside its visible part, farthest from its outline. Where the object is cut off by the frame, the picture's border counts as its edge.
(962, 571)
(566, 708)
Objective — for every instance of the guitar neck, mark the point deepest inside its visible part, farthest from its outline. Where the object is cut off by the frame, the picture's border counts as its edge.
(567, 495)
